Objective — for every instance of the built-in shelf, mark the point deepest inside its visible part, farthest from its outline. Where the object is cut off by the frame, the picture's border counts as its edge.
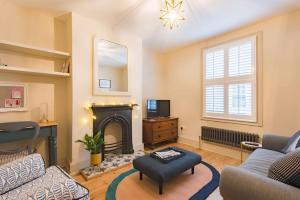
(22, 70)
(24, 48)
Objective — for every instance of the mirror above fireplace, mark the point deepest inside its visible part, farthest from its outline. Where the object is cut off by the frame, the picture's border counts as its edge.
(110, 68)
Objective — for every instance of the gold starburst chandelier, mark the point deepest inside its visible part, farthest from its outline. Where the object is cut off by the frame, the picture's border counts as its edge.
(172, 13)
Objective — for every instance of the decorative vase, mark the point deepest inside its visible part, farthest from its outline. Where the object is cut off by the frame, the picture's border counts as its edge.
(44, 113)
(95, 159)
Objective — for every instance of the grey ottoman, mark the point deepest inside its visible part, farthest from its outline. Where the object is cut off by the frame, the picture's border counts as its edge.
(161, 172)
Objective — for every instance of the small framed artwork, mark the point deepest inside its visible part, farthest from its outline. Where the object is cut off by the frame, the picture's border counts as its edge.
(104, 83)
(8, 103)
(13, 97)
(16, 93)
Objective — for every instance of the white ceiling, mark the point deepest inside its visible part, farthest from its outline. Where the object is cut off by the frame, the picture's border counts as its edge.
(205, 18)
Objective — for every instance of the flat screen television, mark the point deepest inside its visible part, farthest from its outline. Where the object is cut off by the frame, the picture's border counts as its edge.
(158, 108)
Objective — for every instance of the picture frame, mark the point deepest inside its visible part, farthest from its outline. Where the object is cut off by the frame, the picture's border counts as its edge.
(105, 83)
(16, 94)
(13, 97)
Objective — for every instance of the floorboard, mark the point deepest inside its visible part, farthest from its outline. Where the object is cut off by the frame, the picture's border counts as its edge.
(98, 186)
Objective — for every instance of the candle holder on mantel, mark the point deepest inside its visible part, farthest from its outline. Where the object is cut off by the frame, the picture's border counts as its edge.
(44, 113)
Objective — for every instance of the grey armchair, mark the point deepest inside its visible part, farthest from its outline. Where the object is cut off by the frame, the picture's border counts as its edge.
(249, 181)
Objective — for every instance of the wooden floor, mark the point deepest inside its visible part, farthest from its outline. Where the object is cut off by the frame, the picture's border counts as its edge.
(98, 186)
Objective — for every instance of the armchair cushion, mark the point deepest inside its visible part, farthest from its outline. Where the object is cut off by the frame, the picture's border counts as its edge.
(287, 169)
(55, 184)
(21, 171)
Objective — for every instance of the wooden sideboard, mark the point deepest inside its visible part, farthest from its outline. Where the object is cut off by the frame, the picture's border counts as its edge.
(158, 130)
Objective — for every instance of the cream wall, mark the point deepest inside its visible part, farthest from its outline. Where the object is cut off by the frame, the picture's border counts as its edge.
(117, 75)
(281, 61)
(36, 28)
(67, 96)
(83, 32)
(153, 77)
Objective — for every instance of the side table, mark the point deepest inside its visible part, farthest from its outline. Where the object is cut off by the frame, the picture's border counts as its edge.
(249, 146)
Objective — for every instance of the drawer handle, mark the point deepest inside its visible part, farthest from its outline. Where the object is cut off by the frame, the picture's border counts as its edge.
(158, 136)
(172, 124)
(159, 126)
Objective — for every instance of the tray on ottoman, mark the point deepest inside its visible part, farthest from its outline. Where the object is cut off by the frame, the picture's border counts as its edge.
(163, 172)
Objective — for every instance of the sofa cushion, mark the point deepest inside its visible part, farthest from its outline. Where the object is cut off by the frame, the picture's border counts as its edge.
(292, 143)
(260, 161)
(287, 169)
(21, 171)
(55, 184)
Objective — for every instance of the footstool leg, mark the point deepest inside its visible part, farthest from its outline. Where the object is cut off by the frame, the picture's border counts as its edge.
(141, 176)
(160, 188)
(193, 170)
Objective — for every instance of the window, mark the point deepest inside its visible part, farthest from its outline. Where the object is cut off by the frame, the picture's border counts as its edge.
(229, 81)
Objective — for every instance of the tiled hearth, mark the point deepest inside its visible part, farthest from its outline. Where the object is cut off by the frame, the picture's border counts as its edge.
(111, 161)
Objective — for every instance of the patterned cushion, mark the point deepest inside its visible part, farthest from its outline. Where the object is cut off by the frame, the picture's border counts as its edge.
(55, 184)
(287, 169)
(9, 157)
(21, 171)
(292, 143)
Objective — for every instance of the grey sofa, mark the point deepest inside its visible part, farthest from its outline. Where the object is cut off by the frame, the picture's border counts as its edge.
(250, 182)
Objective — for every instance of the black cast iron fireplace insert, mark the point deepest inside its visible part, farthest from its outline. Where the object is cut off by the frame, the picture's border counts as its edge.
(121, 114)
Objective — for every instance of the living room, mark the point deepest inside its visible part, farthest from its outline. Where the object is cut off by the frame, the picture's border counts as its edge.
(163, 99)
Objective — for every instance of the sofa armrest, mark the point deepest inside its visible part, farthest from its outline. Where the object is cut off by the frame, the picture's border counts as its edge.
(274, 142)
(237, 183)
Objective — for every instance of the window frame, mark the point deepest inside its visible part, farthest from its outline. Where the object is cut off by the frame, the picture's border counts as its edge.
(256, 85)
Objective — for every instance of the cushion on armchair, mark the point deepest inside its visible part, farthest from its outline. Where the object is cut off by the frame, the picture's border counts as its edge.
(287, 169)
(55, 184)
(21, 171)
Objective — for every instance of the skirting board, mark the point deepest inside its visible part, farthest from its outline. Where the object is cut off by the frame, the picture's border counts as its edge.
(76, 167)
(216, 148)
(188, 141)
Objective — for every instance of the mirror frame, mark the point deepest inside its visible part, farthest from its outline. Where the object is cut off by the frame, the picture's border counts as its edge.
(96, 90)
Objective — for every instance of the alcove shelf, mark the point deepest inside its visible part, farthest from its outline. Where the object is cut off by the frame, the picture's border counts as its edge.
(22, 70)
(33, 50)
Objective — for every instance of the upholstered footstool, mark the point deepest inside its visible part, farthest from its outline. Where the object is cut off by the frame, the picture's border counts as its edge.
(163, 172)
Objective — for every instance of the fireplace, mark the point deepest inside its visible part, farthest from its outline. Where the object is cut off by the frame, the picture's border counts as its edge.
(114, 114)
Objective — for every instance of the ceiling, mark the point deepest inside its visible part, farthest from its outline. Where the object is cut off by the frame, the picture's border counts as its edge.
(204, 18)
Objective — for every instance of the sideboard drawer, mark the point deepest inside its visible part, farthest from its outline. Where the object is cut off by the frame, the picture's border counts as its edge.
(159, 130)
(165, 135)
(165, 125)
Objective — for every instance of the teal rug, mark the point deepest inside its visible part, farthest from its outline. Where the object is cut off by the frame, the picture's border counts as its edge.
(202, 194)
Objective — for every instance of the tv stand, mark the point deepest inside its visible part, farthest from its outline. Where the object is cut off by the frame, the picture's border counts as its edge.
(159, 129)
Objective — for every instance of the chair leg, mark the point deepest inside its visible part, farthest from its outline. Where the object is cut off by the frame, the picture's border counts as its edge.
(141, 176)
(160, 188)
(193, 170)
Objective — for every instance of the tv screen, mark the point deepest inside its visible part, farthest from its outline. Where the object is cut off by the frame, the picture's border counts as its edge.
(158, 108)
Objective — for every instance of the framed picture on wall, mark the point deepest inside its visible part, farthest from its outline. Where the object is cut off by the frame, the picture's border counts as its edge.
(13, 97)
(104, 83)
(16, 94)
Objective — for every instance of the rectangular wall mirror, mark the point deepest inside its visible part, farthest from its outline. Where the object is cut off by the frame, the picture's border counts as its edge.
(110, 68)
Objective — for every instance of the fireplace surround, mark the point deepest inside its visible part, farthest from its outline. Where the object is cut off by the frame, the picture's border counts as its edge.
(121, 114)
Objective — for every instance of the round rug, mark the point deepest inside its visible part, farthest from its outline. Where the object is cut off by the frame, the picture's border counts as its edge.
(195, 186)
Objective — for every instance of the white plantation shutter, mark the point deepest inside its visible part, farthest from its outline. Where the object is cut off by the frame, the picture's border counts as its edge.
(215, 64)
(240, 99)
(215, 99)
(229, 81)
(240, 59)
